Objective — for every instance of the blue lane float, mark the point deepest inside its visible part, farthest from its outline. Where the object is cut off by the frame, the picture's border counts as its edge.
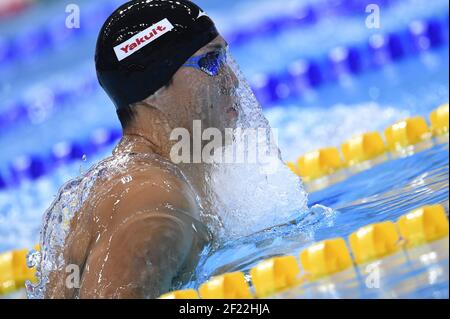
(54, 34)
(301, 75)
(381, 49)
(32, 167)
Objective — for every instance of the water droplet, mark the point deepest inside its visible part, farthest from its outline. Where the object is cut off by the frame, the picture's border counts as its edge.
(126, 179)
(33, 258)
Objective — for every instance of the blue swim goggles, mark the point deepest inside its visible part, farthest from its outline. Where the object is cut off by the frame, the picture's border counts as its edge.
(210, 63)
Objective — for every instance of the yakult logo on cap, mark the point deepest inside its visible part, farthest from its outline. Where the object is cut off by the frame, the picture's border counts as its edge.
(143, 38)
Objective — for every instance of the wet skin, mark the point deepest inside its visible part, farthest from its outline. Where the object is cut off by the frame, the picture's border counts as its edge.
(134, 234)
(125, 239)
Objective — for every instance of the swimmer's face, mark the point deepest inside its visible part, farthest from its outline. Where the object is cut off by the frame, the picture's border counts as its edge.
(211, 98)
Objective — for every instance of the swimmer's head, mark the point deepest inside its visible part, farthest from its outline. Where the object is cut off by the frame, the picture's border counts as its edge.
(166, 57)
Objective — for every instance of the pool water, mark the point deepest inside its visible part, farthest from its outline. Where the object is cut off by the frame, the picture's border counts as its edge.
(324, 112)
(382, 193)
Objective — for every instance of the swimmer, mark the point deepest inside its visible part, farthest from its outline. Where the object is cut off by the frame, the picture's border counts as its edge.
(140, 228)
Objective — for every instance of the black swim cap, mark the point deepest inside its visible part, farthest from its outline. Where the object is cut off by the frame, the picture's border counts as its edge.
(143, 44)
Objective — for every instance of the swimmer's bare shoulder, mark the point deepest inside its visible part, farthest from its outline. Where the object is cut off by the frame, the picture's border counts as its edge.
(134, 240)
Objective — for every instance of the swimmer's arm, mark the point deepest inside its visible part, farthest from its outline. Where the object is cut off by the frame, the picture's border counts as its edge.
(143, 258)
(146, 247)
